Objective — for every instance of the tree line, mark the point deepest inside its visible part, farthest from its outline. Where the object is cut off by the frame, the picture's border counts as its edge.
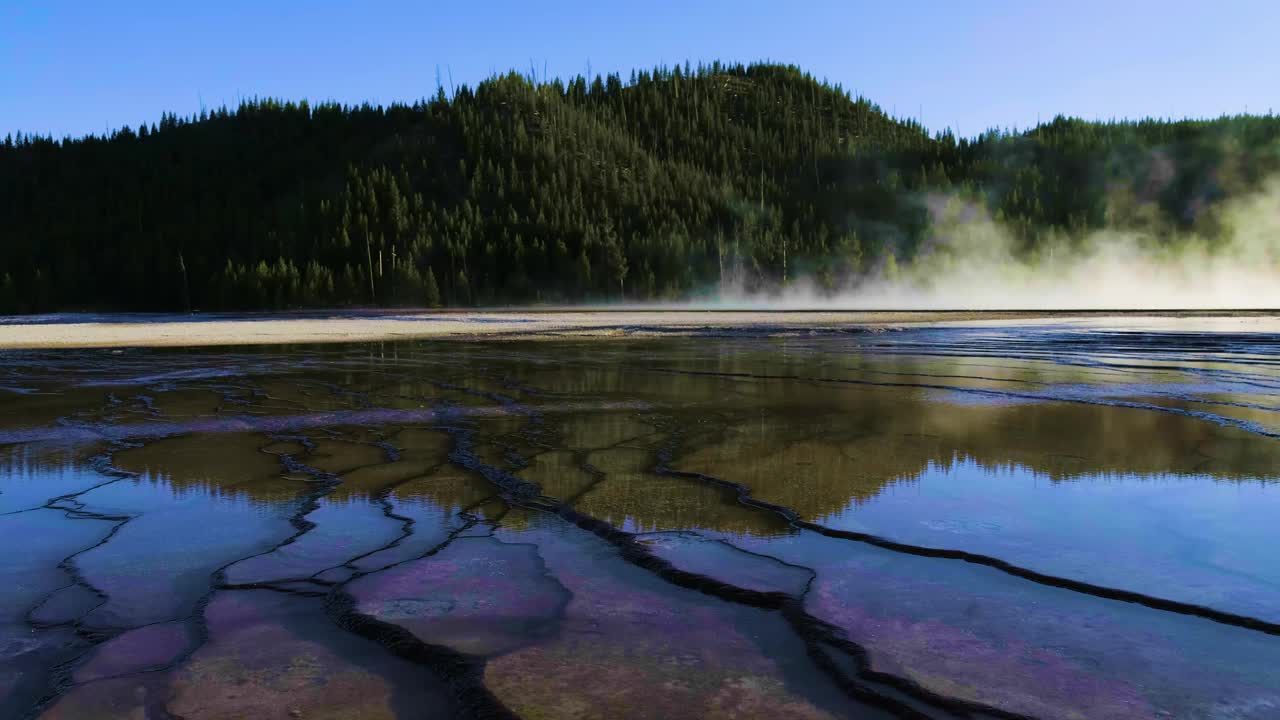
(659, 186)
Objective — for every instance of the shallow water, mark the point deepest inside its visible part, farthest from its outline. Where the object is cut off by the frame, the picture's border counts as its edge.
(1058, 520)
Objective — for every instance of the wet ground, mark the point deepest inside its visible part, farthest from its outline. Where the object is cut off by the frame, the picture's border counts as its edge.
(1059, 520)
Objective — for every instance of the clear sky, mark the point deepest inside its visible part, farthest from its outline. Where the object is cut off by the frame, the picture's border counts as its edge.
(80, 67)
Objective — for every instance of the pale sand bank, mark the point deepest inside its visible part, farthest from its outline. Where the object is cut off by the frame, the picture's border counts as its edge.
(128, 331)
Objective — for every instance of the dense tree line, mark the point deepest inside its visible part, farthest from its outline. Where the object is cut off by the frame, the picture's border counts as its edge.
(657, 186)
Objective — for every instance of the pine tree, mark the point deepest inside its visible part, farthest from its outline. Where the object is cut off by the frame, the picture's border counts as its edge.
(432, 290)
(616, 261)
(520, 190)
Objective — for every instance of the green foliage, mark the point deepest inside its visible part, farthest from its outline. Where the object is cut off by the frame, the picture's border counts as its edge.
(517, 191)
(8, 296)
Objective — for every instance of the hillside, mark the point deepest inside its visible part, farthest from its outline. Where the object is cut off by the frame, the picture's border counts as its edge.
(661, 185)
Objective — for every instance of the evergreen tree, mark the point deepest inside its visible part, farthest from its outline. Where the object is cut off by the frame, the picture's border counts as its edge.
(432, 291)
(516, 190)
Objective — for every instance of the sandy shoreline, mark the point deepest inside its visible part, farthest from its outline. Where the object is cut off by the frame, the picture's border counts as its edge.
(172, 331)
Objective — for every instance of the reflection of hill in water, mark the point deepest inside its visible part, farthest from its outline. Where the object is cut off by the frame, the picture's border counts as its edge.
(748, 411)
(221, 464)
(819, 459)
(813, 448)
(631, 496)
(250, 464)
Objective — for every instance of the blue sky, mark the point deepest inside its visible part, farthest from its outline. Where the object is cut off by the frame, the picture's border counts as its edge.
(81, 67)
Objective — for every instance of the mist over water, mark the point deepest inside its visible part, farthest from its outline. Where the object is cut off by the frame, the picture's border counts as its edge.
(970, 261)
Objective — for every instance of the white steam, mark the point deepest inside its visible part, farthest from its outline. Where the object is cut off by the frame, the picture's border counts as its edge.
(970, 263)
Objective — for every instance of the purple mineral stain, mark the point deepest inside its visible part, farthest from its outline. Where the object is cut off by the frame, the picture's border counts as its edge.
(146, 648)
(956, 661)
(477, 596)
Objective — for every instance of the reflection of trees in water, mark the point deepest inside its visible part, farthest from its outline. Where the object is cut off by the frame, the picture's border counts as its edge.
(819, 459)
(644, 502)
(814, 446)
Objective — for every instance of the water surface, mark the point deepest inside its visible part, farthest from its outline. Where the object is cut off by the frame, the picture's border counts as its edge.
(1054, 520)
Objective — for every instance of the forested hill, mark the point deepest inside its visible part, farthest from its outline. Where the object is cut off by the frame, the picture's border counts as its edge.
(658, 186)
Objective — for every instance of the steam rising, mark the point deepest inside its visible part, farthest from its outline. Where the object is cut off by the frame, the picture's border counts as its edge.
(970, 263)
